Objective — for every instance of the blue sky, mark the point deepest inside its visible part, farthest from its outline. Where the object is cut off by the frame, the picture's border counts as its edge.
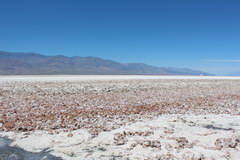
(198, 34)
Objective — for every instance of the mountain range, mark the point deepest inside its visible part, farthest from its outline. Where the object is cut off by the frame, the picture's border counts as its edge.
(234, 74)
(13, 63)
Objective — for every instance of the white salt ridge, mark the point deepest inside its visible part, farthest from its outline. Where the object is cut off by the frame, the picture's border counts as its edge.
(102, 77)
(180, 136)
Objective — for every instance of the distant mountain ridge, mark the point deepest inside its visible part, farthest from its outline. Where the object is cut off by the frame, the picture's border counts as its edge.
(38, 64)
(234, 74)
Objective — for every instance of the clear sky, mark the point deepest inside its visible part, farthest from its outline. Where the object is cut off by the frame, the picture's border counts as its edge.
(198, 34)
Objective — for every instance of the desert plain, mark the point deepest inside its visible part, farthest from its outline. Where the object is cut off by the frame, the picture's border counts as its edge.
(122, 117)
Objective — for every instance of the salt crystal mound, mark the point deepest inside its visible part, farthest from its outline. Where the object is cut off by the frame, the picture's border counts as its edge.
(172, 136)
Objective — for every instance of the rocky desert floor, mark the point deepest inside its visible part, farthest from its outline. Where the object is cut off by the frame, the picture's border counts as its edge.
(122, 117)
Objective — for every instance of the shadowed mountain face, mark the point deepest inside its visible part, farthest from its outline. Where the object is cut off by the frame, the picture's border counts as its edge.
(37, 64)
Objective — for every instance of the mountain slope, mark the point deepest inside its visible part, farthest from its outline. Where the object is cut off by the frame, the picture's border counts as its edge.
(234, 74)
(37, 64)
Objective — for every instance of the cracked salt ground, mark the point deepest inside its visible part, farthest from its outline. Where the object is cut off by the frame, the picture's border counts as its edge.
(49, 106)
(123, 119)
(167, 136)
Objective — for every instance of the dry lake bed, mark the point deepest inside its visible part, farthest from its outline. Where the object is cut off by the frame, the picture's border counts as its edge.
(119, 117)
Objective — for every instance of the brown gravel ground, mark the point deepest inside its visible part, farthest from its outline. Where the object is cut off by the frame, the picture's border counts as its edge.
(107, 104)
